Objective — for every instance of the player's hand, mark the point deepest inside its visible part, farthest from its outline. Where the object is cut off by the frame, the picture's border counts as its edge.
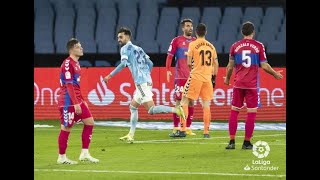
(278, 75)
(226, 81)
(105, 79)
(168, 75)
(77, 109)
(213, 80)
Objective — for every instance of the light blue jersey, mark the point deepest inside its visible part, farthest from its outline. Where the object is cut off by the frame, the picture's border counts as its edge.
(138, 62)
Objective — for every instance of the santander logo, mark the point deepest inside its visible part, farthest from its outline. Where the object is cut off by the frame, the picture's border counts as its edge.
(102, 96)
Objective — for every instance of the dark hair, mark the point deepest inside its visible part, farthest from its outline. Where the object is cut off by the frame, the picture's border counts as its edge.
(125, 30)
(71, 43)
(201, 29)
(247, 28)
(183, 21)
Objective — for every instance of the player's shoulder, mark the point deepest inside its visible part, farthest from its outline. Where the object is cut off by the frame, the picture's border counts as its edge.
(193, 42)
(193, 38)
(258, 43)
(177, 38)
(66, 61)
(236, 43)
(126, 48)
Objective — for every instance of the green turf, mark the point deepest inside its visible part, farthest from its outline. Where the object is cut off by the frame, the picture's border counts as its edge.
(164, 159)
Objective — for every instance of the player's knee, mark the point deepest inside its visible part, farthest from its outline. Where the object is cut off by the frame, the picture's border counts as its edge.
(88, 121)
(252, 110)
(150, 111)
(64, 128)
(132, 108)
(235, 108)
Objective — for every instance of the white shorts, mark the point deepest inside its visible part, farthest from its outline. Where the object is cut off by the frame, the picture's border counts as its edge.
(143, 93)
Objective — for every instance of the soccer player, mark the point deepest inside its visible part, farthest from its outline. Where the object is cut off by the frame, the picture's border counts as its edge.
(179, 48)
(140, 67)
(72, 106)
(246, 55)
(203, 62)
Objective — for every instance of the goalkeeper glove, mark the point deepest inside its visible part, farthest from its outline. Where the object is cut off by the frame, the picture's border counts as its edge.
(213, 80)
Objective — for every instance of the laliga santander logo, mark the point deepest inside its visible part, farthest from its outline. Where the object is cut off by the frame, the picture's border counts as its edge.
(261, 149)
(103, 96)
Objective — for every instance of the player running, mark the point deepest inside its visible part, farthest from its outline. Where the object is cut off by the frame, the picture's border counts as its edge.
(179, 48)
(72, 106)
(246, 55)
(140, 67)
(203, 61)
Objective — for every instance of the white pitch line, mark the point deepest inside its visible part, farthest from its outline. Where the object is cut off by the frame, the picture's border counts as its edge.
(159, 172)
(217, 137)
(143, 142)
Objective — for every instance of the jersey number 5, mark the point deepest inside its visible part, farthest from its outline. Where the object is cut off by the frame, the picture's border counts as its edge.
(208, 61)
(246, 60)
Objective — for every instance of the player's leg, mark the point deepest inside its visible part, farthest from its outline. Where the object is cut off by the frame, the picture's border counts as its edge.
(133, 120)
(237, 104)
(135, 103)
(191, 92)
(66, 120)
(145, 93)
(206, 94)
(177, 97)
(189, 118)
(176, 119)
(88, 124)
(251, 96)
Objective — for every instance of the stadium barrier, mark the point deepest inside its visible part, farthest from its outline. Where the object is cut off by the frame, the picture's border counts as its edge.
(108, 101)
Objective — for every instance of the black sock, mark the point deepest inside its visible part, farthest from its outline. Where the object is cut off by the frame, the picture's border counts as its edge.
(246, 143)
(232, 141)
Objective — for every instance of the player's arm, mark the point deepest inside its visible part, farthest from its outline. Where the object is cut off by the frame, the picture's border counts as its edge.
(68, 72)
(147, 59)
(266, 66)
(230, 66)
(190, 63)
(171, 51)
(190, 55)
(215, 69)
(124, 60)
(149, 63)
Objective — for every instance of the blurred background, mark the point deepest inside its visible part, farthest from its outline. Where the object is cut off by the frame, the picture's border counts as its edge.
(154, 23)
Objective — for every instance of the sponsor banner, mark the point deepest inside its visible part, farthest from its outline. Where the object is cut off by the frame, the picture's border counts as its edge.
(112, 100)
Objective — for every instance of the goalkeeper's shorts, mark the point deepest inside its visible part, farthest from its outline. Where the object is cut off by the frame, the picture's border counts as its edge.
(195, 88)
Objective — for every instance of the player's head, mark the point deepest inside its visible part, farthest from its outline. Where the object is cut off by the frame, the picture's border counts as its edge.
(186, 25)
(201, 30)
(124, 35)
(74, 47)
(247, 29)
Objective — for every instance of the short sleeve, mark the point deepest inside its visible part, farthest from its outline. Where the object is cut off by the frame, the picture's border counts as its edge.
(231, 52)
(262, 54)
(173, 47)
(67, 71)
(124, 53)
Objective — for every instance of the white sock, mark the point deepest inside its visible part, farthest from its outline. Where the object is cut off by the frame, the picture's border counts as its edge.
(85, 151)
(62, 156)
(133, 120)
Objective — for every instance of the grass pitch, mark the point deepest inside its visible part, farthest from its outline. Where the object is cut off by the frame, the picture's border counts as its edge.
(154, 155)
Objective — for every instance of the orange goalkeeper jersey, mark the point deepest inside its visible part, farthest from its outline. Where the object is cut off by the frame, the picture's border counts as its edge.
(203, 55)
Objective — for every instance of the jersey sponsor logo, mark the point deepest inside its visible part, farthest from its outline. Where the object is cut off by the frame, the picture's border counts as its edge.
(101, 96)
(183, 43)
(67, 75)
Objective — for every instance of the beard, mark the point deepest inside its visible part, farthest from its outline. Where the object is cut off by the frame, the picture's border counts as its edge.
(188, 33)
